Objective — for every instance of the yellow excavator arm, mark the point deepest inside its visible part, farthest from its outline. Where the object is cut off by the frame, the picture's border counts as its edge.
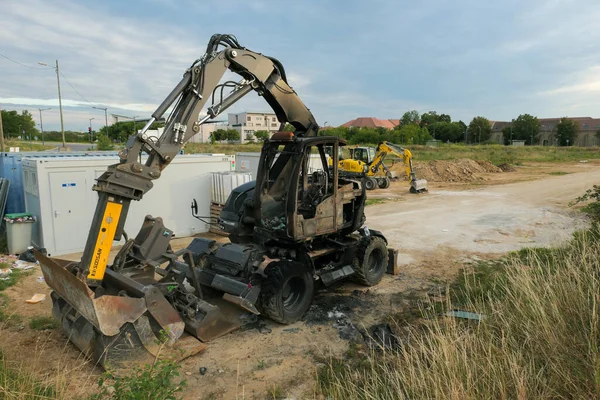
(386, 148)
(376, 171)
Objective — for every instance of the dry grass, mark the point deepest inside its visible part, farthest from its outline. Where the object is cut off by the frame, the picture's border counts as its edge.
(26, 146)
(540, 338)
(191, 148)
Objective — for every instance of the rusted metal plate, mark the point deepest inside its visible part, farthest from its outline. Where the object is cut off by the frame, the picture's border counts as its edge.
(69, 287)
(164, 313)
(321, 252)
(106, 313)
(114, 311)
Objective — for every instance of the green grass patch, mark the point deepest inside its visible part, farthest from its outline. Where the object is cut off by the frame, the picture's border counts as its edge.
(494, 153)
(558, 173)
(42, 323)
(192, 148)
(26, 146)
(12, 278)
(370, 202)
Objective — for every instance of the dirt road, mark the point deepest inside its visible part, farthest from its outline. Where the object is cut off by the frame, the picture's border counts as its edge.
(434, 233)
(493, 219)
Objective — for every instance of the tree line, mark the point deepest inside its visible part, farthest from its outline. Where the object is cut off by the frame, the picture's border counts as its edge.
(414, 128)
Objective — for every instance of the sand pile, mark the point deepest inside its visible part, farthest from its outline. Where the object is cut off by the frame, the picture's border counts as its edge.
(463, 170)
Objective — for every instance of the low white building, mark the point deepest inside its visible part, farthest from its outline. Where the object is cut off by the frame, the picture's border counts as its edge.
(247, 123)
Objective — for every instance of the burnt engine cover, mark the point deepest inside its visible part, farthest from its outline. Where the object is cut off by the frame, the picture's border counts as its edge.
(233, 259)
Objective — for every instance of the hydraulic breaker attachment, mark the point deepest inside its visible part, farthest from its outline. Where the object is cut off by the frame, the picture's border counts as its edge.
(114, 327)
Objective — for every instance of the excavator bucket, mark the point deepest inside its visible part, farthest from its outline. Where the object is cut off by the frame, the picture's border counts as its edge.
(117, 331)
(418, 186)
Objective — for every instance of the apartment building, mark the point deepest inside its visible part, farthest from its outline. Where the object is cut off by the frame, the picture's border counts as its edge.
(246, 123)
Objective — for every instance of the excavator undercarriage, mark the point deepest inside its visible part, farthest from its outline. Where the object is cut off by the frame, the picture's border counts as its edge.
(291, 229)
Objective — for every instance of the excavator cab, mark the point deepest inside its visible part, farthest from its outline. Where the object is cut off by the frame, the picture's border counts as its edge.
(300, 196)
(364, 154)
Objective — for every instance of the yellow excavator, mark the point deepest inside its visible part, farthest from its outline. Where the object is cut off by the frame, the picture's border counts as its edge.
(369, 162)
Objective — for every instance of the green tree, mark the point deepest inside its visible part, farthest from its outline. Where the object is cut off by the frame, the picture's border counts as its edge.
(428, 118)
(445, 118)
(16, 124)
(104, 143)
(525, 127)
(566, 129)
(289, 128)
(120, 131)
(412, 134)
(479, 130)
(409, 117)
(219, 135)
(249, 138)
(232, 135)
(261, 135)
(448, 131)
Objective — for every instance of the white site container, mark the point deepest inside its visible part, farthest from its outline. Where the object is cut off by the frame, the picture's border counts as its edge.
(224, 182)
(58, 192)
(248, 162)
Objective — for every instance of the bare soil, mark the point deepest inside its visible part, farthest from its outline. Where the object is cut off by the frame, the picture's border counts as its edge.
(481, 217)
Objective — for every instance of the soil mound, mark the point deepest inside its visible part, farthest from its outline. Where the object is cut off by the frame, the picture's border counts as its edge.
(463, 170)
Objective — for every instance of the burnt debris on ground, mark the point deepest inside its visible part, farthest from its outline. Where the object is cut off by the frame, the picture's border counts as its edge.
(328, 308)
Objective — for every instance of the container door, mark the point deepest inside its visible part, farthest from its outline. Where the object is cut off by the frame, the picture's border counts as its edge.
(70, 209)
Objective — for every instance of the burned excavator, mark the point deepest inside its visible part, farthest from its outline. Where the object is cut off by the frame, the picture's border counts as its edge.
(290, 230)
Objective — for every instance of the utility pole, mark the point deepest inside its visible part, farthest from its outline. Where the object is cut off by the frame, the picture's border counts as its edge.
(62, 125)
(42, 122)
(1, 132)
(479, 141)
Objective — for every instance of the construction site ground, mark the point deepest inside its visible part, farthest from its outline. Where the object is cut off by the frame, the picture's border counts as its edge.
(436, 233)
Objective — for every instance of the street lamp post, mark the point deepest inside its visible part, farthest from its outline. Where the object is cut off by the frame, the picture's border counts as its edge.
(42, 122)
(91, 134)
(105, 118)
(62, 125)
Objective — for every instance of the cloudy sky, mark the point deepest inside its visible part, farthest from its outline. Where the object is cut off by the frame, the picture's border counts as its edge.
(345, 58)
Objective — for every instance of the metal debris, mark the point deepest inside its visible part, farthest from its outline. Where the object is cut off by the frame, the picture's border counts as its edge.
(465, 315)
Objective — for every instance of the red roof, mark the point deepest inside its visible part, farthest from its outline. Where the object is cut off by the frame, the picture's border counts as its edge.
(370, 122)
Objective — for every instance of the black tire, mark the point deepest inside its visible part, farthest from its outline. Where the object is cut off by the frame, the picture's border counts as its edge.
(381, 183)
(371, 261)
(287, 292)
(370, 183)
(386, 183)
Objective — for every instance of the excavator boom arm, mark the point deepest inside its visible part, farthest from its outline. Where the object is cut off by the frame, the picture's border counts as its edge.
(386, 148)
(130, 179)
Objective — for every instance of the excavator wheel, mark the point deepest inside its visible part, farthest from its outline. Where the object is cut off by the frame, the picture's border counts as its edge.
(370, 262)
(370, 183)
(287, 292)
(384, 183)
